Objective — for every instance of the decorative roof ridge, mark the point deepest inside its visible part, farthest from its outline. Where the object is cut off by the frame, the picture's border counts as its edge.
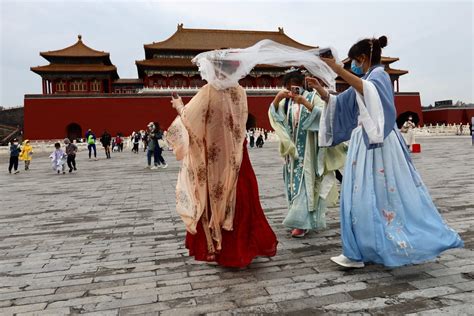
(79, 44)
(181, 30)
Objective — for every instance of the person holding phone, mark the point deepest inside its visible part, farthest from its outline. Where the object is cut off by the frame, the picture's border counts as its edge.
(308, 172)
(387, 214)
(217, 192)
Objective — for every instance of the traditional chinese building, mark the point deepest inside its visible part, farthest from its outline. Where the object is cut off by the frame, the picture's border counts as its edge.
(83, 90)
(76, 69)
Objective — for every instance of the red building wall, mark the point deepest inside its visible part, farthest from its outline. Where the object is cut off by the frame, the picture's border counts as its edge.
(47, 117)
(448, 116)
(409, 102)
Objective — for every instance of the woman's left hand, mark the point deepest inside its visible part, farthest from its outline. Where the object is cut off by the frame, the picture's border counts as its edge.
(299, 99)
(331, 62)
(177, 103)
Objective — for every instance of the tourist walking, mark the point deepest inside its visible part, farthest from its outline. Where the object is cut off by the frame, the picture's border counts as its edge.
(71, 150)
(14, 153)
(251, 139)
(308, 172)
(217, 192)
(91, 139)
(106, 139)
(387, 214)
(26, 153)
(259, 143)
(119, 142)
(136, 141)
(153, 149)
(58, 159)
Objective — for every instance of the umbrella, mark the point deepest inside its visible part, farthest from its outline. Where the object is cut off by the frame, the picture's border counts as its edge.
(402, 118)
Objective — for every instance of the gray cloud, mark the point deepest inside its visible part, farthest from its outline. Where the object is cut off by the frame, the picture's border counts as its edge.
(432, 39)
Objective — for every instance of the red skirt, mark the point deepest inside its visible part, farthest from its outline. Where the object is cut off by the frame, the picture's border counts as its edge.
(252, 236)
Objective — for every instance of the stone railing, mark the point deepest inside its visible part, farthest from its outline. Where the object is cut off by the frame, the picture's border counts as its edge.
(443, 130)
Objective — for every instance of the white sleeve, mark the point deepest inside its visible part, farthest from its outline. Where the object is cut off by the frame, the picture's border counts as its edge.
(371, 112)
(326, 122)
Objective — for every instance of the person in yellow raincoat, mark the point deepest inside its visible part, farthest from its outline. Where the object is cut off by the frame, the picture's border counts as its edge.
(26, 153)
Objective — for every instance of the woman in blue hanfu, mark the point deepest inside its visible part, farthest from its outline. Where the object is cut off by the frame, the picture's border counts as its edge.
(387, 214)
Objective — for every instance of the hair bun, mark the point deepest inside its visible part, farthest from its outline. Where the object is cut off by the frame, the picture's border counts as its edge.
(383, 41)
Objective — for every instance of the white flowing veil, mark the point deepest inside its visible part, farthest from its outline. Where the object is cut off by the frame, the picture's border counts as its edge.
(224, 68)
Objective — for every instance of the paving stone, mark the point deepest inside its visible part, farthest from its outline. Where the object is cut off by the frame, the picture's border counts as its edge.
(358, 305)
(201, 309)
(427, 293)
(461, 309)
(313, 302)
(111, 243)
(321, 291)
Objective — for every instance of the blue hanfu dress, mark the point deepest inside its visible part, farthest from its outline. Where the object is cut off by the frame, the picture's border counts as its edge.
(387, 214)
(308, 172)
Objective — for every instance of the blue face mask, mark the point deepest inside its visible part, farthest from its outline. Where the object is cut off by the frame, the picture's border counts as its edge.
(356, 69)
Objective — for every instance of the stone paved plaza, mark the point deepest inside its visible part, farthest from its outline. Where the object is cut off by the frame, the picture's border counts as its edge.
(107, 241)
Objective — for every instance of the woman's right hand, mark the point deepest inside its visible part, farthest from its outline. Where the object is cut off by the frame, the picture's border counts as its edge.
(313, 82)
(283, 94)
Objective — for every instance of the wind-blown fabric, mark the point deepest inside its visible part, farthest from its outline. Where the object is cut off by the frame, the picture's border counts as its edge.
(387, 214)
(225, 67)
(207, 136)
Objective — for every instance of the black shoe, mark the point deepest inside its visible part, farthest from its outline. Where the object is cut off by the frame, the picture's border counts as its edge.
(59, 172)
(75, 168)
(70, 170)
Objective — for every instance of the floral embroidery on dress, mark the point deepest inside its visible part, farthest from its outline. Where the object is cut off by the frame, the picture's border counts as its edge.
(382, 171)
(237, 133)
(218, 191)
(182, 199)
(389, 216)
(402, 244)
(234, 164)
(229, 121)
(174, 133)
(234, 95)
(190, 174)
(202, 174)
(213, 152)
(207, 115)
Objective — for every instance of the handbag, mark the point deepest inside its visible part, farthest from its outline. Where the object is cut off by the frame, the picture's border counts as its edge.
(162, 143)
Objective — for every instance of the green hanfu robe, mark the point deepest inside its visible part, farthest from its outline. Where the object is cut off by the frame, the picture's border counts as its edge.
(308, 172)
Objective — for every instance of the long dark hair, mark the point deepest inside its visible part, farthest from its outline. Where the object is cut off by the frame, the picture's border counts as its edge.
(371, 47)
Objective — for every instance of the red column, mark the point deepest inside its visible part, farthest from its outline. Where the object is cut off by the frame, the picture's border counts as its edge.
(110, 85)
(398, 86)
(101, 82)
(53, 86)
(44, 86)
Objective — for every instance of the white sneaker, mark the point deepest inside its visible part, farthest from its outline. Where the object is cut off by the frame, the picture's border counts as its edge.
(164, 166)
(346, 262)
(154, 168)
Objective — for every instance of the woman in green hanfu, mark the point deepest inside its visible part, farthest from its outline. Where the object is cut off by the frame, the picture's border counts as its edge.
(309, 171)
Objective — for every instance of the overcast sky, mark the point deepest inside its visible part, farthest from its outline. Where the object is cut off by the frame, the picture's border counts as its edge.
(433, 39)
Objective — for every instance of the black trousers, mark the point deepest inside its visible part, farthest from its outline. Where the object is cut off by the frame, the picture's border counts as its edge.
(71, 162)
(13, 163)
